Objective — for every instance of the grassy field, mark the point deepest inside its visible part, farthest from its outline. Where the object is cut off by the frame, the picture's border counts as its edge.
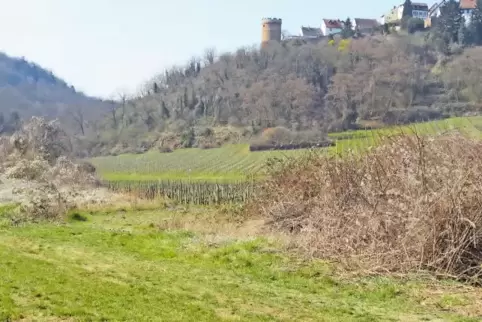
(174, 265)
(236, 162)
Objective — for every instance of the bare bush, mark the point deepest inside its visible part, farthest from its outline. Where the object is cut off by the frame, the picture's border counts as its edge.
(66, 172)
(36, 159)
(412, 203)
(41, 138)
(44, 203)
(28, 169)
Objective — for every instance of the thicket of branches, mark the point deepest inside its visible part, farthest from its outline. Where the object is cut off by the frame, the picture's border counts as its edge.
(412, 203)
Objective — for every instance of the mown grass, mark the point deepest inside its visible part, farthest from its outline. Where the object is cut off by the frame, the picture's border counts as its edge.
(128, 266)
(236, 162)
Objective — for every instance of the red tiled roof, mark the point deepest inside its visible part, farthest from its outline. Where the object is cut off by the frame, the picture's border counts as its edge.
(468, 4)
(333, 23)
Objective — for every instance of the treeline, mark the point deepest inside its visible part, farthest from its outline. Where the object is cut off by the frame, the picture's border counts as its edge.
(326, 86)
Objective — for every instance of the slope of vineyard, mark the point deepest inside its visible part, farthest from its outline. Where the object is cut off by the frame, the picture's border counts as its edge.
(236, 162)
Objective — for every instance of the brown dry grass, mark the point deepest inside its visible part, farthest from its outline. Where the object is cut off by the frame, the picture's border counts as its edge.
(413, 203)
(214, 224)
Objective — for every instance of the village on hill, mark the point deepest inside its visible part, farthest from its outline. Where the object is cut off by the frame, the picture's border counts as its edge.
(423, 16)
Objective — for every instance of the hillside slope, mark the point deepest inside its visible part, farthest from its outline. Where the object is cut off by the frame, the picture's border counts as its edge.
(317, 87)
(26, 90)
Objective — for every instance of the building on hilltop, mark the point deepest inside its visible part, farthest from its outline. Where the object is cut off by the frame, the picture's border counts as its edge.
(394, 16)
(270, 30)
(419, 10)
(381, 20)
(466, 7)
(310, 32)
(331, 26)
(365, 26)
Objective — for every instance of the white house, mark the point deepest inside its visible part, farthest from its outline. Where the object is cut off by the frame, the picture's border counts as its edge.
(419, 10)
(381, 20)
(331, 26)
(466, 7)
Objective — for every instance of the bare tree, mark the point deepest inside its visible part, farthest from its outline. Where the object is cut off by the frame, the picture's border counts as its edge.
(77, 114)
(118, 108)
(209, 56)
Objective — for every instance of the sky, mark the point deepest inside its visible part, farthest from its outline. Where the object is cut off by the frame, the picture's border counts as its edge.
(104, 47)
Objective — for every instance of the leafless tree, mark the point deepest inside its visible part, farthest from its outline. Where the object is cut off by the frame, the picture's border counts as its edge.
(209, 56)
(77, 114)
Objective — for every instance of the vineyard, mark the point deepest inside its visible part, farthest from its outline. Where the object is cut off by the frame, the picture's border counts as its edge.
(227, 174)
(184, 192)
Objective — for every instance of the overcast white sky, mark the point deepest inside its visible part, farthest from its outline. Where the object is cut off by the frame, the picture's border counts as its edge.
(101, 46)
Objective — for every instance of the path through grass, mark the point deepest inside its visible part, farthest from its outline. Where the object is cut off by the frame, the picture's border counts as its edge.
(126, 266)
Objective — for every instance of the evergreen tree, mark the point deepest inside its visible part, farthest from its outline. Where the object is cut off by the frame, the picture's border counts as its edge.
(347, 31)
(164, 111)
(448, 24)
(385, 29)
(407, 13)
(407, 10)
(475, 24)
(186, 98)
(194, 99)
(155, 88)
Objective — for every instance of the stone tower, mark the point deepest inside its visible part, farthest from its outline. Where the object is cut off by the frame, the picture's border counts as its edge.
(270, 30)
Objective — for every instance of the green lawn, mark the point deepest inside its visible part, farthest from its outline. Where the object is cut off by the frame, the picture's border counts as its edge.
(126, 266)
(235, 162)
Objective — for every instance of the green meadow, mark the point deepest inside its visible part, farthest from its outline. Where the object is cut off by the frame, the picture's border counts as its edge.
(174, 265)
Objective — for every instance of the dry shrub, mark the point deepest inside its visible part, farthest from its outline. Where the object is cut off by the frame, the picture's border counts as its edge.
(39, 152)
(5, 147)
(36, 161)
(87, 167)
(412, 203)
(165, 149)
(277, 134)
(45, 202)
(41, 138)
(66, 172)
(28, 169)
